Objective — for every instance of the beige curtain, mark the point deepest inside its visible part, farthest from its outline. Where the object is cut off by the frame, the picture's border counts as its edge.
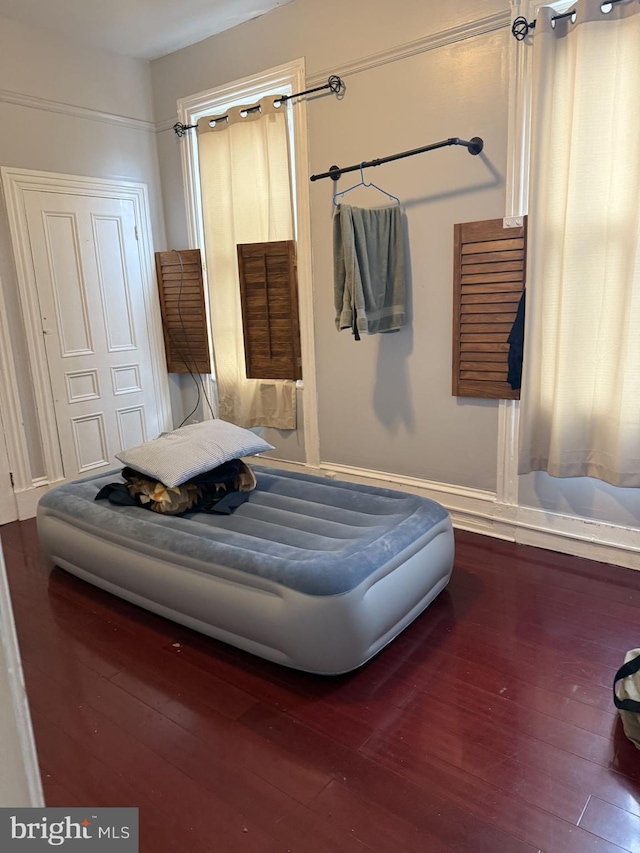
(246, 198)
(580, 411)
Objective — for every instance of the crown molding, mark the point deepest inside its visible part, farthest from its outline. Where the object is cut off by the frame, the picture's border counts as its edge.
(442, 38)
(74, 111)
(166, 124)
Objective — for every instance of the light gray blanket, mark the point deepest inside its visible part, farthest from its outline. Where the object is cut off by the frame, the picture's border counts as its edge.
(369, 273)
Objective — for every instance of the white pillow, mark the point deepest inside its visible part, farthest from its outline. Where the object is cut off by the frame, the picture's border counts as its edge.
(176, 456)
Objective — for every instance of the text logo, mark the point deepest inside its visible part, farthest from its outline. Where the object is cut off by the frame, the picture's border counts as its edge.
(82, 831)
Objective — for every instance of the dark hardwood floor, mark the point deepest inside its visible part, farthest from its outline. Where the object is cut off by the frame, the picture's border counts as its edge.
(486, 727)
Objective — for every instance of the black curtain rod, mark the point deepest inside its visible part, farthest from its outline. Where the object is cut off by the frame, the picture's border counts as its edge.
(334, 83)
(474, 145)
(521, 27)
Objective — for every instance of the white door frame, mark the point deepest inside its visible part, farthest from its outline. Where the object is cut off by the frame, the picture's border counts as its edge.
(8, 505)
(16, 183)
(20, 783)
(14, 445)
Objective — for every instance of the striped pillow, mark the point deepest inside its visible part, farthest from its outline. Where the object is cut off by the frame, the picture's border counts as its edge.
(177, 456)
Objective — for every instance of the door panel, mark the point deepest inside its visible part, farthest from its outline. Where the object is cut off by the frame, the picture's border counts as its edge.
(89, 280)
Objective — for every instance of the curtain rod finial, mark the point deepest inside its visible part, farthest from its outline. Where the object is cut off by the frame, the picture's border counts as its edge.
(180, 129)
(521, 27)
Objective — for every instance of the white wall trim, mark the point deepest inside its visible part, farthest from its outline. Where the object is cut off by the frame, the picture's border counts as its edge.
(480, 511)
(581, 537)
(74, 111)
(471, 509)
(507, 459)
(517, 186)
(309, 390)
(27, 499)
(14, 435)
(16, 183)
(196, 106)
(21, 723)
(167, 124)
(8, 506)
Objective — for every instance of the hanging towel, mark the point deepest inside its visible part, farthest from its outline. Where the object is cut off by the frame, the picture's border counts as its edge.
(368, 265)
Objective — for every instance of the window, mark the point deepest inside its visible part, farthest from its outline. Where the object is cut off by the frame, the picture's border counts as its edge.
(248, 401)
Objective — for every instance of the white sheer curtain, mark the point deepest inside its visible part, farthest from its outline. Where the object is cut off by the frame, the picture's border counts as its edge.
(580, 410)
(246, 198)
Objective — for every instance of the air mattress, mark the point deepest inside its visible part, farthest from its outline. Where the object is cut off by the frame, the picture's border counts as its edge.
(312, 573)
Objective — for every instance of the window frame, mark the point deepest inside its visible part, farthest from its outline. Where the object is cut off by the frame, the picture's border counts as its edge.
(284, 79)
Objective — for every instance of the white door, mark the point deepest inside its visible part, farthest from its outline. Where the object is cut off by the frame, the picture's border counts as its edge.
(88, 272)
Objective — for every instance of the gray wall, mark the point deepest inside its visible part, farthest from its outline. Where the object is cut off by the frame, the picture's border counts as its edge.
(384, 403)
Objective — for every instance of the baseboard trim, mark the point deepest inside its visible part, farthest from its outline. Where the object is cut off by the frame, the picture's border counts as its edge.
(474, 510)
(27, 499)
(581, 537)
(479, 511)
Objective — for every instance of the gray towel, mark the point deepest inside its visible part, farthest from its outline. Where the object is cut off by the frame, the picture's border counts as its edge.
(368, 265)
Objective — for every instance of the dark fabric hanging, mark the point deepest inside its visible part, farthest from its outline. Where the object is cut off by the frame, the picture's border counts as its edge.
(516, 347)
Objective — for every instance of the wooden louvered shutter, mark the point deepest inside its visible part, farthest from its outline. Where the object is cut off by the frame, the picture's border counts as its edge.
(184, 318)
(489, 276)
(269, 296)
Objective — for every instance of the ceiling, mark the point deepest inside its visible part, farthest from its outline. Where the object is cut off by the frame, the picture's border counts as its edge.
(145, 29)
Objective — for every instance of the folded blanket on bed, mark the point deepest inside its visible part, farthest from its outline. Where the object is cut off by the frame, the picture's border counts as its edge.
(221, 490)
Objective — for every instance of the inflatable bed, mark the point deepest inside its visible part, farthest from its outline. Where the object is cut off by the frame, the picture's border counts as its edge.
(309, 572)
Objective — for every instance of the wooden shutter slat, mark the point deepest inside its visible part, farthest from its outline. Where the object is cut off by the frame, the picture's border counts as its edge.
(484, 376)
(492, 278)
(489, 277)
(484, 338)
(493, 257)
(174, 273)
(478, 346)
(477, 328)
(503, 287)
(477, 303)
(489, 319)
(473, 355)
(484, 366)
(182, 303)
(269, 298)
(492, 246)
(492, 266)
(491, 308)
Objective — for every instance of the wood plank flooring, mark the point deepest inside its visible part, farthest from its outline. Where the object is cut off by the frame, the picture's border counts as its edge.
(486, 727)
